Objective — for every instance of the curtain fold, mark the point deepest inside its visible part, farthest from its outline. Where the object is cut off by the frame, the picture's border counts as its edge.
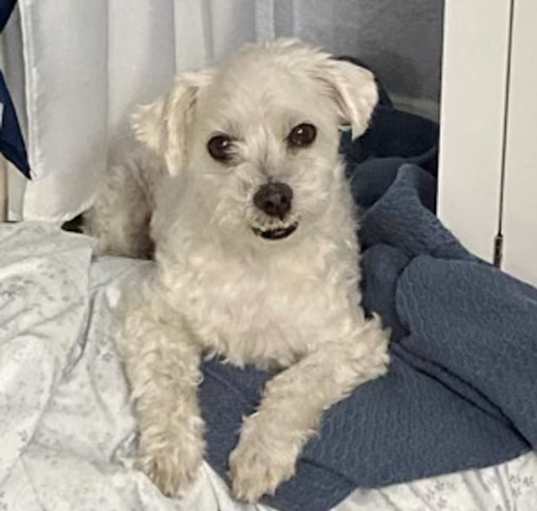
(140, 60)
(87, 63)
(208, 30)
(65, 68)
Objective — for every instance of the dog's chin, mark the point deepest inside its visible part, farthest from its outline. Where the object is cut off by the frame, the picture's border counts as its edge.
(278, 233)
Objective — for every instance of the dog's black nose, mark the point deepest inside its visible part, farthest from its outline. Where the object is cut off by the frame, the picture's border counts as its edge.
(274, 199)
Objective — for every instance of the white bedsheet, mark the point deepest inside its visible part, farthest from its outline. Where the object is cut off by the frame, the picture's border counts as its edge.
(65, 419)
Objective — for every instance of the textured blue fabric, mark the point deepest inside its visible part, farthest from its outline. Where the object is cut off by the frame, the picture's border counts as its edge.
(461, 386)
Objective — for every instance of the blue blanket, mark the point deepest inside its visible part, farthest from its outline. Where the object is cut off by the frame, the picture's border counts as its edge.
(461, 389)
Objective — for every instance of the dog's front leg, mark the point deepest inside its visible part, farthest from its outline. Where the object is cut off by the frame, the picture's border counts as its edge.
(162, 366)
(293, 402)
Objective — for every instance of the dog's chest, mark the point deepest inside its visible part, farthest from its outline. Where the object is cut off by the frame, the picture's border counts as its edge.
(268, 316)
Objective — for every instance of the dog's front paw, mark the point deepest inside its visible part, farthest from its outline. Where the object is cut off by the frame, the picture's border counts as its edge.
(257, 468)
(173, 469)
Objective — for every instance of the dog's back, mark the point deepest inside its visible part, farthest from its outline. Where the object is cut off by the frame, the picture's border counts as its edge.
(121, 215)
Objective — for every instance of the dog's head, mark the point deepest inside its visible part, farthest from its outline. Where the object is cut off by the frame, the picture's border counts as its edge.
(256, 141)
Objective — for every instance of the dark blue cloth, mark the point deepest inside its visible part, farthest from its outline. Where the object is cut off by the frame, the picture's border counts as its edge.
(11, 141)
(461, 388)
(6, 8)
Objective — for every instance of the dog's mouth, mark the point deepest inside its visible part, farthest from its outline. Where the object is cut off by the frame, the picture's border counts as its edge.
(276, 234)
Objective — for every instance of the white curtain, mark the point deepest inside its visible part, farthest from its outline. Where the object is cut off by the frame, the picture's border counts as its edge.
(77, 67)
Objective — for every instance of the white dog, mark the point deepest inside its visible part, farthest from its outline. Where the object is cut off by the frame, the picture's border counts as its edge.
(239, 185)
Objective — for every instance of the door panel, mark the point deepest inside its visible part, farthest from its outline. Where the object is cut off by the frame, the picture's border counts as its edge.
(476, 43)
(520, 189)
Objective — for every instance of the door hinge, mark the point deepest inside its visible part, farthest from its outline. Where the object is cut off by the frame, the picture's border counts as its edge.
(498, 250)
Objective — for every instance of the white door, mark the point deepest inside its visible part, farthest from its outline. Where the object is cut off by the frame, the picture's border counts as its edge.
(519, 212)
(474, 77)
(488, 157)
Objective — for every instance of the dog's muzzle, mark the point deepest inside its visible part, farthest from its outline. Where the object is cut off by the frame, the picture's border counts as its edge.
(275, 200)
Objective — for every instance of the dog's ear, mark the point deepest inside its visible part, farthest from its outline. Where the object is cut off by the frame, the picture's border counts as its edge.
(354, 91)
(163, 126)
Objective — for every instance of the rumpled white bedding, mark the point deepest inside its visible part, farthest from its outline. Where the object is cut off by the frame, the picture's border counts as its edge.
(66, 428)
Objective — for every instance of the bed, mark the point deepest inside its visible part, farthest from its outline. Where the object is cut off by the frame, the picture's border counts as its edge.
(67, 426)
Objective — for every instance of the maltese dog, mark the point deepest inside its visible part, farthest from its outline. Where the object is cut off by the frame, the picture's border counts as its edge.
(237, 190)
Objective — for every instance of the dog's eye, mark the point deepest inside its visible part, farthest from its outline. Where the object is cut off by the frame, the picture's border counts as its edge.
(220, 147)
(302, 135)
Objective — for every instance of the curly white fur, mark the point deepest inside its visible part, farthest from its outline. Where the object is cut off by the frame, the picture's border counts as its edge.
(290, 304)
